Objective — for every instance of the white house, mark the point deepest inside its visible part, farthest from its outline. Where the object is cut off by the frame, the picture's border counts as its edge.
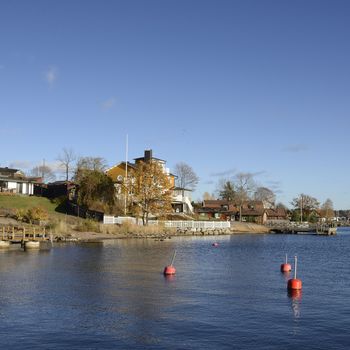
(182, 200)
(14, 181)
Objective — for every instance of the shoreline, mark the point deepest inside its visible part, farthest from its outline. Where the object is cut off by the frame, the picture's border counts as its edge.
(238, 228)
(109, 232)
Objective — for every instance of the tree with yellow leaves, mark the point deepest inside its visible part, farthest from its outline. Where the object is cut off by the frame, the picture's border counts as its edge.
(151, 191)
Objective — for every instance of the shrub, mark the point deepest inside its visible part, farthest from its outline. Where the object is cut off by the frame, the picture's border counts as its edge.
(58, 226)
(36, 214)
(20, 214)
(88, 226)
(31, 215)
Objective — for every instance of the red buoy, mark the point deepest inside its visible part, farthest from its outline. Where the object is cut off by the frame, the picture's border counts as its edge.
(216, 244)
(169, 270)
(295, 283)
(286, 267)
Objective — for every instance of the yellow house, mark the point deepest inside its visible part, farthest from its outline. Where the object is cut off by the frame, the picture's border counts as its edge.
(118, 172)
(181, 197)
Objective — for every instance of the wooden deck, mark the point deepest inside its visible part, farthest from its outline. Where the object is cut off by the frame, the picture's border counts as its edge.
(19, 234)
(303, 228)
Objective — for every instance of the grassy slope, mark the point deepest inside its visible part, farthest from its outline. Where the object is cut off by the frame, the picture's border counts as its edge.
(25, 202)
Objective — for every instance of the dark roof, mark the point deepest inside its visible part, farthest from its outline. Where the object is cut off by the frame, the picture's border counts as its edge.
(8, 171)
(153, 158)
(15, 179)
(132, 165)
(61, 182)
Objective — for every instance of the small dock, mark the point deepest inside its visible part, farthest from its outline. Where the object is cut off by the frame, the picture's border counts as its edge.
(326, 230)
(21, 234)
(303, 228)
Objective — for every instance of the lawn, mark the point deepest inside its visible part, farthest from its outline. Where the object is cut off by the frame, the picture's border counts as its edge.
(26, 202)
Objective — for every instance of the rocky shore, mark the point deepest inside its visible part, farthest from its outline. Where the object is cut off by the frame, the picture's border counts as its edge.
(236, 228)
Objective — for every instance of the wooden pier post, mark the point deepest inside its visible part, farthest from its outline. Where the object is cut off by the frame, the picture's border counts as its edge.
(34, 233)
(24, 233)
(3, 232)
(13, 233)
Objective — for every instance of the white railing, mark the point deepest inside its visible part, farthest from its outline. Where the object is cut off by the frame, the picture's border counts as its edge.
(206, 225)
(108, 219)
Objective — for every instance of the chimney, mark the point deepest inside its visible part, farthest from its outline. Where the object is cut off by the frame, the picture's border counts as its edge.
(148, 155)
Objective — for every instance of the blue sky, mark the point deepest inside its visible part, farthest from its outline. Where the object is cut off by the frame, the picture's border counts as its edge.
(225, 86)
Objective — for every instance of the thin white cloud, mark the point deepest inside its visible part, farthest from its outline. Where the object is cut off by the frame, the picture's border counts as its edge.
(224, 173)
(295, 148)
(51, 75)
(108, 104)
(27, 165)
(21, 164)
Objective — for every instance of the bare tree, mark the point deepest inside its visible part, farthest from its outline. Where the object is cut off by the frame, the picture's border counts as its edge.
(265, 195)
(45, 172)
(89, 164)
(66, 159)
(244, 186)
(327, 210)
(186, 177)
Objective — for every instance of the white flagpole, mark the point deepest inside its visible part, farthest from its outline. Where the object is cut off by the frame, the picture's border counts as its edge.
(126, 174)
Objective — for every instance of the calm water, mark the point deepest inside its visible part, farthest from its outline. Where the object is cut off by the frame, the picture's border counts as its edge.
(114, 296)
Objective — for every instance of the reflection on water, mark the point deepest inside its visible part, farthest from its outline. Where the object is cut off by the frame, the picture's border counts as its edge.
(114, 295)
(295, 296)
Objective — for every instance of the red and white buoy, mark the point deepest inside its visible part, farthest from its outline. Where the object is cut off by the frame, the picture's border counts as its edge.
(170, 269)
(286, 267)
(215, 244)
(295, 283)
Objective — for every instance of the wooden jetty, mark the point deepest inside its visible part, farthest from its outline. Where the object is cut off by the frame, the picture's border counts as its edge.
(303, 228)
(20, 234)
(326, 230)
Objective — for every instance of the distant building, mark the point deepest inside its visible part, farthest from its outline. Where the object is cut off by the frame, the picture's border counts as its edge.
(217, 209)
(277, 214)
(56, 189)
(15, 181)
(252, 211)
